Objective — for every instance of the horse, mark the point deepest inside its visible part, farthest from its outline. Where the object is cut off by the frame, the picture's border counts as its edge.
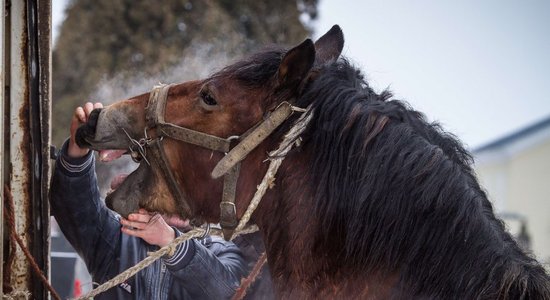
(373, 201)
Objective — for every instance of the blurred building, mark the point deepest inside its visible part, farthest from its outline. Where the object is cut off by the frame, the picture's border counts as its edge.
(515, 171)
(69, 276)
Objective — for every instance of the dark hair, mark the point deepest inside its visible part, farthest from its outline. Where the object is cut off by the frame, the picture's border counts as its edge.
(397, 194)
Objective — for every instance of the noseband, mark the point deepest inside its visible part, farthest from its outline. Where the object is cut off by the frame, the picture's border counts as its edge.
(152, 151)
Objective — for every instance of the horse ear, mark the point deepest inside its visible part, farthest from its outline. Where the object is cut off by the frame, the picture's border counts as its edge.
(296, 64)
(329, 47)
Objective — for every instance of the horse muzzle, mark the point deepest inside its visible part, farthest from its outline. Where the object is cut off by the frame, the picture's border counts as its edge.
(107, 129)
(86, 132)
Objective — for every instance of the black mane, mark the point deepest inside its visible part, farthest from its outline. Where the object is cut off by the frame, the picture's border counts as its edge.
(398, 194)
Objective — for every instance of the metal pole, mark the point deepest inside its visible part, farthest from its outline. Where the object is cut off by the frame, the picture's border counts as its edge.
(2, 98)
(29, 136)
(19, 141)
(39, 24)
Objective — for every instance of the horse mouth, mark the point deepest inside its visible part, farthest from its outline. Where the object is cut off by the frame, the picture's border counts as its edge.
(117, 181)
(111, 155)
(138, 189)
(126, 195)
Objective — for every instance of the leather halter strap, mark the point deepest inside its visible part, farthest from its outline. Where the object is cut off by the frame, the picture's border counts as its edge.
(228, 167)
(155, 116)
(253, 139)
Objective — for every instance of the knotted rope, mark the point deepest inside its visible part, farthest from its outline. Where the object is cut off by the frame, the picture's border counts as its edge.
(9, 214)
(151, 258)
(276, 157)
(17, 295)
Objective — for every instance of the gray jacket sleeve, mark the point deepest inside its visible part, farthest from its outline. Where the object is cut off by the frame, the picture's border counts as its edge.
(91, 228)
(209, 268)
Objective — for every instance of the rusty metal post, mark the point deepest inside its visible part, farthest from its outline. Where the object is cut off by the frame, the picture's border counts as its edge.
(19, 177)
(27, 82)
(2, 101)
(40, 115)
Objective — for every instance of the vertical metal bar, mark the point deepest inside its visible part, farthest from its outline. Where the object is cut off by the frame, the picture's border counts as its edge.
(19, 140)
(25, 78)
(40, 126)
(2, 98)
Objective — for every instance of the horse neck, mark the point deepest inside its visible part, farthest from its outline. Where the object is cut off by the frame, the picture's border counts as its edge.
(280, 215)
(287, 220)
(285, 227)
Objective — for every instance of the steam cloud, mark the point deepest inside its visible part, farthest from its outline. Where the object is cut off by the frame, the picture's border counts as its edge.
(198, 62)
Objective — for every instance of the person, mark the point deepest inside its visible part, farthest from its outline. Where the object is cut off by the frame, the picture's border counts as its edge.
(208, 268)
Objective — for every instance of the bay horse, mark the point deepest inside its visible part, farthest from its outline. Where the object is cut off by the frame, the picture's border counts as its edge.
(373, 202)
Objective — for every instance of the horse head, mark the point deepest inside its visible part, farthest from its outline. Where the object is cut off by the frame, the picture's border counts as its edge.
(224, 106)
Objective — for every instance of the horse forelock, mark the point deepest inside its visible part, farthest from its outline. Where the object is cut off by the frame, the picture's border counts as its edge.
(255, 70)
(397, 194)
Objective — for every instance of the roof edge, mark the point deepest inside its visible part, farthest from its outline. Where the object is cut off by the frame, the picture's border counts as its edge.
(515, 136)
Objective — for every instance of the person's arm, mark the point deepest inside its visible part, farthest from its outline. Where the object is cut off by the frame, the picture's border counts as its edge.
(207, 269)
(210, 268)
(90, 227)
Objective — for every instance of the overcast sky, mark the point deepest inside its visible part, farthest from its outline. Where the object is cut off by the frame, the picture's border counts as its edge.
(481, 68)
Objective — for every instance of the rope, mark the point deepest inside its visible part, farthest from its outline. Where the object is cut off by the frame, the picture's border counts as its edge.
(154, 256)
(16, 295)
(9, 214)
(276, 157)
(248, 229)
(248, 281)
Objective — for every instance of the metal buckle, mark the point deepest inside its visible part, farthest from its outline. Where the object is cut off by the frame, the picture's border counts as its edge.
(140, 154)
(228, 209)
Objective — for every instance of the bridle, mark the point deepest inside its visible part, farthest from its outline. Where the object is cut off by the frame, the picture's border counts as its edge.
(152, 151)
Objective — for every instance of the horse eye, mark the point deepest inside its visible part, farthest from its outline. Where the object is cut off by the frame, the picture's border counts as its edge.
(208, 99)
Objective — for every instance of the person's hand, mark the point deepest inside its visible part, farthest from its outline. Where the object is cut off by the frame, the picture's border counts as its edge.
(80, 117)
(150, 227)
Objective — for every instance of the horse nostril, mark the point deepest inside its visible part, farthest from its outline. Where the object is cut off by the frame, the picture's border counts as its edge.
(80, 136)
(87, 130)
(93, 117)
